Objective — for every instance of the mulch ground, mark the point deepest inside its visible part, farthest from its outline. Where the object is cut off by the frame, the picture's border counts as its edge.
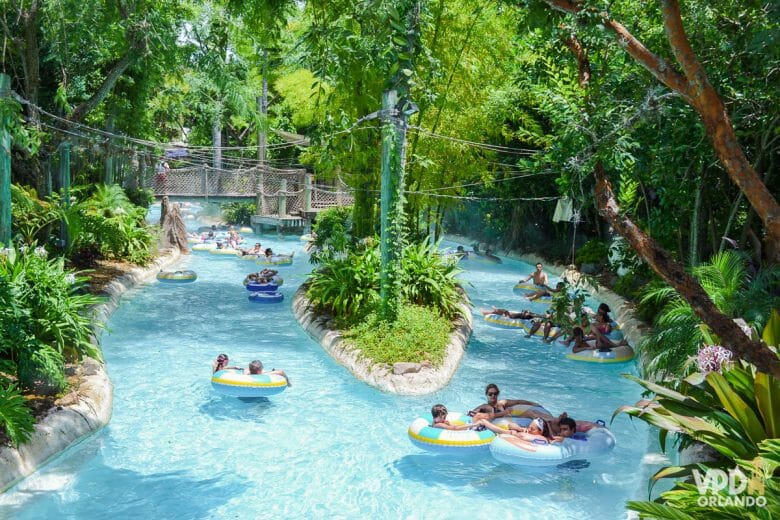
(99, 277)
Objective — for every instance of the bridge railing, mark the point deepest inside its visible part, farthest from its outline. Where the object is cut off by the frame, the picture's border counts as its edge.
(278, 192)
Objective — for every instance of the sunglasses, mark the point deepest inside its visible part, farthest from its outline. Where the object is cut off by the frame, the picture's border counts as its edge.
(491, 394)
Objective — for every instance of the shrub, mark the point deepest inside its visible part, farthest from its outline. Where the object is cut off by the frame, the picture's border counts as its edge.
(594, 251)
(142, 197)
(108, 220)
(16, 419)
(419, 334)
(428, 279)
(239, 213)
(333, 232)
(348, 287)
(43, 316)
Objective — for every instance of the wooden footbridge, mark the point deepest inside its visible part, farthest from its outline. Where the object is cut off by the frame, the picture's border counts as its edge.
(285, 198)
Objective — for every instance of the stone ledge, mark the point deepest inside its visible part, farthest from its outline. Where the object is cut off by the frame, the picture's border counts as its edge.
(69, 424)
(420, 380)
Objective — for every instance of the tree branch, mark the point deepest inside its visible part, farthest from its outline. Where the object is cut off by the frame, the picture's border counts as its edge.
(675, 275)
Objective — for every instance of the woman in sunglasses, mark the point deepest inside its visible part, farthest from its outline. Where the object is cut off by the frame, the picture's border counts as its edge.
(221, 363)
(496, 407)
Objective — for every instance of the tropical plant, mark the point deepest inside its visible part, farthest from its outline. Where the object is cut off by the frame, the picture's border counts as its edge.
(333, 234)
(16, 418)
(430, 279)
(44, 317)
(31, 217)
(108, 220)
(347, 287)
(733, 412)
(239, 213)
(678, 332)
(594, 251)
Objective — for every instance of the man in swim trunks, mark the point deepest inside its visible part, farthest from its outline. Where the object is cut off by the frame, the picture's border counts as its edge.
(602, 343)
(539, 276)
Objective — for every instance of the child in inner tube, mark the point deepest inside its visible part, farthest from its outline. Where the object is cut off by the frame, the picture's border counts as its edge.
(439, 413)
(221, 363)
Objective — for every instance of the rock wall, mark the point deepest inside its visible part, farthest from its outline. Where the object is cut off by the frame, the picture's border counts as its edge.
(87, 409)
(401, 378)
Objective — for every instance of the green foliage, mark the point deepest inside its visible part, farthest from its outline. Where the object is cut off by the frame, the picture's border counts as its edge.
(141, 197)
(107, 220)
(32, 218)
(735, 413)
(333, 232)
(419, 334)
(594, 251)
(44, 316)
(678, 332)
(430, 280)
(16, 418)
(348, 284)
(239, 213)
(348, 287)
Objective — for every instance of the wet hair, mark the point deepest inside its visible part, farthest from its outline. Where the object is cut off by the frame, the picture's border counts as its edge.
(222, 361)
(439, 410)
(255, 367)
(492, 386)
(577, 332)
(571, 423)
(268, 251)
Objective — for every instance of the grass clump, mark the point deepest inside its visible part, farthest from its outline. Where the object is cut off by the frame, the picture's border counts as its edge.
(420, 334)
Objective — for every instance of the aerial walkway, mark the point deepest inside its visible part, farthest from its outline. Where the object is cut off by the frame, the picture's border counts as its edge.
(285, 198)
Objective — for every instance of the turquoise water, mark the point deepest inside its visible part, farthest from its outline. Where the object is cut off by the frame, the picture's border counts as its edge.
(330, 446)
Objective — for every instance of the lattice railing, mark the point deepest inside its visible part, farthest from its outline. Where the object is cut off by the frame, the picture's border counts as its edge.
(277, 189)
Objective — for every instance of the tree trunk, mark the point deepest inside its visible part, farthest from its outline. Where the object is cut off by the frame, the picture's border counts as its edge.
(696, 90)
(675, 275)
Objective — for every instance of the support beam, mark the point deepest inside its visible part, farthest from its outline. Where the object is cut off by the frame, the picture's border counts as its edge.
(5, 165)
(65, 186)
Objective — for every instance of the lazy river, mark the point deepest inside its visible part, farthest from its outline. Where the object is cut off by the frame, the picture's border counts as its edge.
(329, 446)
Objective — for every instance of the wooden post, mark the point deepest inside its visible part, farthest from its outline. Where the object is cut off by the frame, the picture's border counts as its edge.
(282, 206)
(5, 166)
(65, 186)
(307, 182)
(204, 180)
(108, 175)
(262, 107)
(260, 198)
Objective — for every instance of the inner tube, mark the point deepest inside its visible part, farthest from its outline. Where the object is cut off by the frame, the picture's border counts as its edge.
(308, 238)
(261, 287)
(229, 251)
(185, 276)
(524, 289)
(457, 442)
(615, 355)
(265, 297)
(275, 260)
(237, 384)
(246, 229)
(206, 246)
(596, 442)
(500, 320)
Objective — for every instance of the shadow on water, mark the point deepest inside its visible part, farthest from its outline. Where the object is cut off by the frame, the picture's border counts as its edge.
(484, 475)
(223, 407)
(134, 494)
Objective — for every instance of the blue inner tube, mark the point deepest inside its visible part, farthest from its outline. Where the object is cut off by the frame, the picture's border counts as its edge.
(265, 297)
(262, 287)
